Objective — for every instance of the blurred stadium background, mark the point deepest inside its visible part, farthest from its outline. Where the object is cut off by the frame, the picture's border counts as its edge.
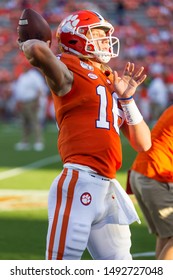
(145, 30)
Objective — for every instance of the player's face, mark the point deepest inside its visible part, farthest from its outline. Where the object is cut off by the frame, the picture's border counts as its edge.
(103, 43)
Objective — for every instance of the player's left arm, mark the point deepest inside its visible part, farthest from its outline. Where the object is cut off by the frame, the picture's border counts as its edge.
(135, 128)
(138, 135)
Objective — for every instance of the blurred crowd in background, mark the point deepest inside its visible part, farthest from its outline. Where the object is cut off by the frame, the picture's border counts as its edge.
(145, 30)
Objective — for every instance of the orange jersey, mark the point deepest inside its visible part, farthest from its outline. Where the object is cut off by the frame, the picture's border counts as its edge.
(88, 118)
(157, 162)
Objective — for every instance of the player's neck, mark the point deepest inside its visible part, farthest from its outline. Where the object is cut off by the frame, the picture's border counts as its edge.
(96, 64)
(103, 67)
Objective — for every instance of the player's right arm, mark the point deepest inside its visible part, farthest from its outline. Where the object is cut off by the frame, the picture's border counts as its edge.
(58, 76)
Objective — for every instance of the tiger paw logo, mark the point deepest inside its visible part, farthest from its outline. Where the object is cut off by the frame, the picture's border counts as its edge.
(86, 198)
(70, 23)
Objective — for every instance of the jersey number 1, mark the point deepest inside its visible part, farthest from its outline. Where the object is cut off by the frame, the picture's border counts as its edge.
(102, 121)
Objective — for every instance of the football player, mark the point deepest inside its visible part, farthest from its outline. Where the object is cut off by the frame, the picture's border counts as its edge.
(87, 207)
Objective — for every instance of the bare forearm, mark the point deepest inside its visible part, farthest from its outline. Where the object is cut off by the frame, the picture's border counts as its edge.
(139, 136)
(38, 53)
(31, 49)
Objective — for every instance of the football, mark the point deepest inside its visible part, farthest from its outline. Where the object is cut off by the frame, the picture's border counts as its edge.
(33, 26)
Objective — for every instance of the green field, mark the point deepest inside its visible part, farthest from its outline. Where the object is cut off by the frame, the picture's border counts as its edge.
(23, 226)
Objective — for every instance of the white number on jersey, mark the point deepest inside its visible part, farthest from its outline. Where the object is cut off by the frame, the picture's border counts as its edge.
(102, 121)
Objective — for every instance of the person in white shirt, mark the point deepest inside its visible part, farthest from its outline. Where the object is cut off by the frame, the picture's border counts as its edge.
(30, 90)
(158, 95)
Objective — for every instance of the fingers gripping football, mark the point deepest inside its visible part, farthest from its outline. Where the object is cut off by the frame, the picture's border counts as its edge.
(33, 26)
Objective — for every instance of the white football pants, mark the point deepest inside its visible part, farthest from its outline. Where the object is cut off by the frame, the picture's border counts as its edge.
(83, 213)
